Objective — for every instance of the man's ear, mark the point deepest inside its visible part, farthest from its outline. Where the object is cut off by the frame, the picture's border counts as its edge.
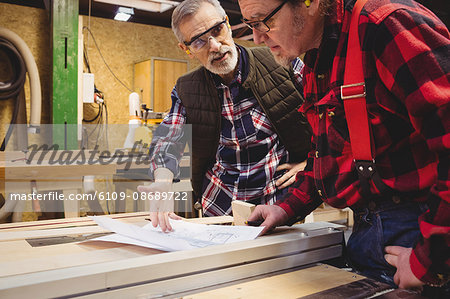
(313, 7)
(185, 49)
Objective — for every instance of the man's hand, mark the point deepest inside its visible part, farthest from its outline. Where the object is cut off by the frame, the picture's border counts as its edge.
(162, 206)
(289, 177)
(272, 215)
(398, 257)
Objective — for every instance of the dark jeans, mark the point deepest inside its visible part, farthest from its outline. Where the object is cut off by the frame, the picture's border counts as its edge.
(385, 223)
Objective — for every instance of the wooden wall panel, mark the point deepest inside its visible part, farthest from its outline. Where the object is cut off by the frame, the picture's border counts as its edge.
(143, 81)
(165, 76)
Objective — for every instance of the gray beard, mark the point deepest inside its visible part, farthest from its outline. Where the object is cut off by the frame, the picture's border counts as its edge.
(225, 67)
(284, 61)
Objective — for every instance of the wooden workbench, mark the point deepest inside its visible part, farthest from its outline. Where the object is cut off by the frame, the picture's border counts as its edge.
(39, 260)
(100, 269)
(17, 175)
(20, 176)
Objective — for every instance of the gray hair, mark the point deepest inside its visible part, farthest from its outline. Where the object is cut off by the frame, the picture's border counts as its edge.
(188, 8)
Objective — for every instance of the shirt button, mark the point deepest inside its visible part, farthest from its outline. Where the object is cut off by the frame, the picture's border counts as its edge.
(396, 199)
(317, 154)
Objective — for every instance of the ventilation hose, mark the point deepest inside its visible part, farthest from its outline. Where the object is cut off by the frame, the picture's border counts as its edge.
(33, 74)
(12, 88)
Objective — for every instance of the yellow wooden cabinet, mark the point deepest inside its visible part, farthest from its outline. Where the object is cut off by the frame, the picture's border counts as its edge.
(154, 80)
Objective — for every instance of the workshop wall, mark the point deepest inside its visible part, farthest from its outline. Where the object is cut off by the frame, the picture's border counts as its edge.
(121, 43)
(33, 26)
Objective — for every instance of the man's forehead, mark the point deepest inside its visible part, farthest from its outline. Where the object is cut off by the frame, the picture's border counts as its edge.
(197, 23)
(254, 9)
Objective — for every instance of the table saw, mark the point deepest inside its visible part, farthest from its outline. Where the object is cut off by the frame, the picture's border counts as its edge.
(45, 259)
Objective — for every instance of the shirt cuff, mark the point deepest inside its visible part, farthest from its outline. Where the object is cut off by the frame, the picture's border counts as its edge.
(424, 275)
(287, 209)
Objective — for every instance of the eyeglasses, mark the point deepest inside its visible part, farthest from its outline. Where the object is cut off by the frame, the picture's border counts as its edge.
(217, 31)
(262, 26)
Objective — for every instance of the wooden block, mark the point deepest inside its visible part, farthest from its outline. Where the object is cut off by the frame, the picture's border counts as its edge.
(241, 211)
(328, 213)
(350, 216)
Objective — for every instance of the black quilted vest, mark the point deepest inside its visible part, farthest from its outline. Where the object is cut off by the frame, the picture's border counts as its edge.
(272, 86)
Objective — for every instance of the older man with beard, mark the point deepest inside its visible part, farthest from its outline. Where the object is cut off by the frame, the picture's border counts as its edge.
(242, 107)
(400, 194)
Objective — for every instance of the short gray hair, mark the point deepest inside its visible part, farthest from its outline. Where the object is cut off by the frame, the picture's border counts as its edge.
(188, 8)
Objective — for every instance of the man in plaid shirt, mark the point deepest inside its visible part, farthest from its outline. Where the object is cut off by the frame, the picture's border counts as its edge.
(251, 163)
(402, 236)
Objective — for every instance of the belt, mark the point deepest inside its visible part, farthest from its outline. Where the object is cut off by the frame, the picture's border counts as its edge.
(386, 202)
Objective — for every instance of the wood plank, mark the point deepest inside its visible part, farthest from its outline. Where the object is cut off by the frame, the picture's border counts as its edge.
(18, 257)
(35, 172)
(20, 186)
(159, 275)
(241, 211)
(180, 287)
(60, 270)
(92, 229)
(68, 222)
(134, 218)
(328, 213)
(289, 285)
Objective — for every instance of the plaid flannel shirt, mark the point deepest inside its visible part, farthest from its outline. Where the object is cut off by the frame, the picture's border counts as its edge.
(406, 62)
(249, 150)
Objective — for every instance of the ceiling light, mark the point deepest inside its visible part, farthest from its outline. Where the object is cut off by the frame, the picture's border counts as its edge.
(120, 16)
(148, 5)
(124, 14)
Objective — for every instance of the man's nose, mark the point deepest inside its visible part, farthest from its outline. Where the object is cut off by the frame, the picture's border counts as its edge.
(214, 45)
(259, 37)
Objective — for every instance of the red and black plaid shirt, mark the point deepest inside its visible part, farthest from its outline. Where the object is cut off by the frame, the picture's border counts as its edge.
(406, 61)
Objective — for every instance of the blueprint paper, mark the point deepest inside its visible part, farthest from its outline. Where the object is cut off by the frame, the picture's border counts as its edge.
(127, 240)
(138, 235)
(185, 235)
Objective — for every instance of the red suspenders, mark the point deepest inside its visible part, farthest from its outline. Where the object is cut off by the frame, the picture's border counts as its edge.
(353, 94)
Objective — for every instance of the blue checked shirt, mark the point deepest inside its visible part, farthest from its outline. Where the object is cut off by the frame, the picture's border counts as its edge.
(249, 150)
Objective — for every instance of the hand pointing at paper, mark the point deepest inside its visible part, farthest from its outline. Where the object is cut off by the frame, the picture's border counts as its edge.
(161, 210)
